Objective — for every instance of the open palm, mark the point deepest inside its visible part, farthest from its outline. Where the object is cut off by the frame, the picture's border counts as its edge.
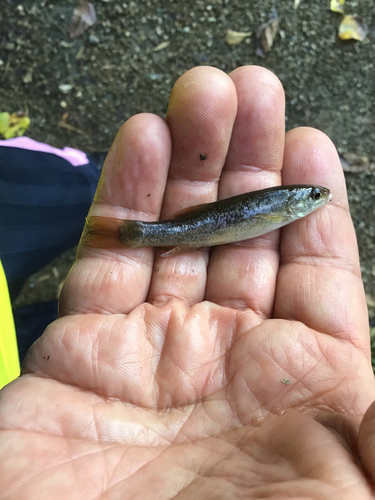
(243, 372)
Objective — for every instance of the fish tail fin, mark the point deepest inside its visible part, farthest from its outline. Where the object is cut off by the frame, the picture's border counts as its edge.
(108, 232)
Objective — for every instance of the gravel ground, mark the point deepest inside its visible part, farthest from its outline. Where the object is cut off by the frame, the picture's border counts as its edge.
(112, 71)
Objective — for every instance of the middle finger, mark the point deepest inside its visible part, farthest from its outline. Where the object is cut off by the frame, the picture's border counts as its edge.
(201, 113)
(254, 162)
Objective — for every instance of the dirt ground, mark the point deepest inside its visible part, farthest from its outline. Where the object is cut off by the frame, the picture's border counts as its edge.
(113, 71)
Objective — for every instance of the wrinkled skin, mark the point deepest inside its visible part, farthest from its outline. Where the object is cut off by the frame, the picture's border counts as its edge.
(243, 372)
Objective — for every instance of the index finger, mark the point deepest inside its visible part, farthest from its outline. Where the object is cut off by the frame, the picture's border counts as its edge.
(131, 186)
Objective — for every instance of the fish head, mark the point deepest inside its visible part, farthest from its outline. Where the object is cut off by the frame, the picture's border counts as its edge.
(305, 199)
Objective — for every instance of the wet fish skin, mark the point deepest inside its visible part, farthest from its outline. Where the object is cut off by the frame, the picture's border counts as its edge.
(229, 220)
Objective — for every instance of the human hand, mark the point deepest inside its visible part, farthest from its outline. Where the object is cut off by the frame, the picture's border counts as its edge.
(243, 372)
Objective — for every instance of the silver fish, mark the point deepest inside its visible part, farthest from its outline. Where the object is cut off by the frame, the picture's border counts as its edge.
(226, 221)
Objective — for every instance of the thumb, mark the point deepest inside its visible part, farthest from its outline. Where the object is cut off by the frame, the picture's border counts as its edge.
(366, 441)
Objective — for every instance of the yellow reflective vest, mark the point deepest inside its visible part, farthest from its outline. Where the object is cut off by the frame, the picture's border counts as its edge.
(9, 360)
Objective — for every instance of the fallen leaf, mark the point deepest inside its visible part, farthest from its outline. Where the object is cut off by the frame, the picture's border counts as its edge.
(44, 277)
(4, 122)
(266, 34)
(65, 88)
(70, 127)
(161, 46)
(80, 52)
(355, 159)
(337, 6)
(55, 272)
(354, 163)
(352, 28)
(236, 37)
(356, 169)
(28, 78)
(13, 125)
(83, 17)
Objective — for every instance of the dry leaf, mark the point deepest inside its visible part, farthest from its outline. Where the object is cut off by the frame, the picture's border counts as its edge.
(65, 88)
(13, 125)
(44, 277)
(236, 37)
(70, 127)
(55, 272)
(28, 78)
(355, 159)
(83, 17)
(352, 28)
(354, 163)
(266, 34)
(161, 46)
(337, 6)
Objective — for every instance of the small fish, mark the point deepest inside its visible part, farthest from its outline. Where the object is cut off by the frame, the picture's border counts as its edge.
(233, 219)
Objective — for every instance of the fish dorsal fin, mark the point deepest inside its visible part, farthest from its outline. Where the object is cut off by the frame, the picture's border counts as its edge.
(187, 210)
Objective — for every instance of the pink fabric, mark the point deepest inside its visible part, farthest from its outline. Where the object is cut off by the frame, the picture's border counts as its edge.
(73, 156)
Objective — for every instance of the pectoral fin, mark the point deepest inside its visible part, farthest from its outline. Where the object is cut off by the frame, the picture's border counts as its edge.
(273, 217)
(177, 250)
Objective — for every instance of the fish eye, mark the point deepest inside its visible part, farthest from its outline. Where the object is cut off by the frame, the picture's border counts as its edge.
(315, 194)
